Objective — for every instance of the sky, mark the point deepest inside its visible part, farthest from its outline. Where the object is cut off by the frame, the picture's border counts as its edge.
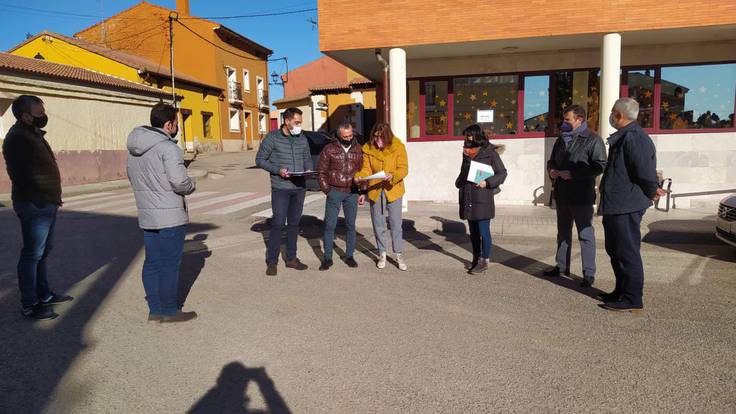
(291, 35)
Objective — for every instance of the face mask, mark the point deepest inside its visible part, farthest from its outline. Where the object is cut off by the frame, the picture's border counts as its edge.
(296, 130)
(40, 121)
(346, 144)
(612, 121)
(566, 127)
(175, 133)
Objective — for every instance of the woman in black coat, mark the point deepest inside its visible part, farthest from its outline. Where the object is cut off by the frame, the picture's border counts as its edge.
(476, 200)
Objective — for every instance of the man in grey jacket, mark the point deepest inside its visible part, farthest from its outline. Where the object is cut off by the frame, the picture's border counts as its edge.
(159, 179)
(282, 153)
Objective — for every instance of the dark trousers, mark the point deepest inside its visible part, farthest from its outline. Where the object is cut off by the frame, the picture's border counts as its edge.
(37, 225)
(582, 217)
(349, 203)
(287, 206)
(623, 245)
(164, 250)
(480, 237)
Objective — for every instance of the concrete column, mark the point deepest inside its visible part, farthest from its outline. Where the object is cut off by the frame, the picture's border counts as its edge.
(610, 80)
(318, 113)
(397, 98)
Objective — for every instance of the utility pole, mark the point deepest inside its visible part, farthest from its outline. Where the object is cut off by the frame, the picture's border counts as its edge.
(172, 16)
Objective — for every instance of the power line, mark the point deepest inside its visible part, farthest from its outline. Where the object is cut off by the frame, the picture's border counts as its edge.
(215, 44)
(247, 16)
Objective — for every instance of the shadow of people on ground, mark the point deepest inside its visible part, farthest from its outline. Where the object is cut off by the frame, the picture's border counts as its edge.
(422, 241)
(91, 253)
(192, 263)
(230, 395)
(514, 260)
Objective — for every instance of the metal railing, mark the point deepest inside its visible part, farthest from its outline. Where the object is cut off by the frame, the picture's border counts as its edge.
(262, 98)
(235, 91)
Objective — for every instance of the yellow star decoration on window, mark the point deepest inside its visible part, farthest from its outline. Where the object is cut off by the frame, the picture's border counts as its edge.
(443, 103)
(665, 105)
(648, 94)
(473, 97)
(673, 117)
(443, 118)
(468, 116)
(509, 125)
(485, 93)
(459, 93)
(541, 118)
(493, 103)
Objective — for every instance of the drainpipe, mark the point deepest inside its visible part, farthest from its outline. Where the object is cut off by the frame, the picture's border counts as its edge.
(382, 61)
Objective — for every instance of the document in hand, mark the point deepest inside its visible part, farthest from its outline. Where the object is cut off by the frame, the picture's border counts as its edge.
(377, 176)
(302, 173)
(479, 172)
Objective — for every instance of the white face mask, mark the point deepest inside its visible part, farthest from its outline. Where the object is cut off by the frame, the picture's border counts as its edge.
(612, 121)
(296, 130)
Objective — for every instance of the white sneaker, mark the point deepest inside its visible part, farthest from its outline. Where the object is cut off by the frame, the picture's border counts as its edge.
(381, 261)
(400, 261)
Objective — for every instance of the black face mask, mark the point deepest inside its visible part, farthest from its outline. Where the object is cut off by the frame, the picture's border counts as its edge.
(175, 133)
(346, 144)
(471, 144)
(40, 121)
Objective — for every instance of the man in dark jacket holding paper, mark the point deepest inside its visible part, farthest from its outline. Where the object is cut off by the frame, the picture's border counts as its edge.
(578, 157)
(284, 153)
(628, 187)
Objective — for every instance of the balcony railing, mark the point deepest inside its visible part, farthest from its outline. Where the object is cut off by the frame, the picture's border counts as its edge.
(235, 90)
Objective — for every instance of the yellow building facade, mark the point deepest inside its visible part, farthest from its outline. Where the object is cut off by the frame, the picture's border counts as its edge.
(200, 104)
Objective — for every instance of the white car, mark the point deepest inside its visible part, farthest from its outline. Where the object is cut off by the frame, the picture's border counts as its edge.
(726, 221)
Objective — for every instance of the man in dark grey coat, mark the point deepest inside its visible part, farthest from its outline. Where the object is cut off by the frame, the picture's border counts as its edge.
(578, 157)
(284, 153)
(628, 187)
(159, 179)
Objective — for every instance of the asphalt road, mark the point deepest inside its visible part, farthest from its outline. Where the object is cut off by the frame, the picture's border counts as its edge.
(429, 340)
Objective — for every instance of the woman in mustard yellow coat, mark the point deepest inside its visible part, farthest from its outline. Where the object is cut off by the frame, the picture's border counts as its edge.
(385, 153)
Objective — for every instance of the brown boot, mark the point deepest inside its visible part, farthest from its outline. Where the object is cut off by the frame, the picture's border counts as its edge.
(179, 317)
(296, 264)
(271, 270)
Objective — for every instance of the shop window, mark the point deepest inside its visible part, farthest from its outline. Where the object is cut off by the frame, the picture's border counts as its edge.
(207, 124)
(412, 109)
(577, 88)
(435, 108)
(640, 85)
(490, 101)
(694, 97)
(536, 103)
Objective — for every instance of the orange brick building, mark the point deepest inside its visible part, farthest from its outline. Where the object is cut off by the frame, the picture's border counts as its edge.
(512, 66)
(204, 49)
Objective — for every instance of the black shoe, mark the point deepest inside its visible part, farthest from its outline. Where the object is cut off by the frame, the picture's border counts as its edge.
(38, 311)
(610, 297)
(326, 265)
(622, 306)
(55, 299)
(179, 317)
(555, 272)
(152, 317)
(587, 281)
(296, 264)
(350, 261)
(271, 270)
(473, 263)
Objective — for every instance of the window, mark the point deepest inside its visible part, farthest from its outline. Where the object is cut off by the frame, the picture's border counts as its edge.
(435, 108)
(412, 110)
(695, 97)
(246, 80)
(640, 86)
(577, 88)
(490, 101)
(207, 124)
(536, 103)
(234, 120)
(232, 85)
(262, 127)
(260, 88)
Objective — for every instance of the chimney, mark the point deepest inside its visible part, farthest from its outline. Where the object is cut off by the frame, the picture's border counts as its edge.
(182, 6)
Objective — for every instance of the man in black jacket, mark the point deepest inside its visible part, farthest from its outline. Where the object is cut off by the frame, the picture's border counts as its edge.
(628, 187)
(36, 194)
(578, 157)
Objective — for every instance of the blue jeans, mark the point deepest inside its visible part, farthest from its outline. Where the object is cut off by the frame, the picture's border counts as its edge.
(287, 207)
(164, 250)
(349, 203)
(37, 226)
(480, 237)
(623, 245)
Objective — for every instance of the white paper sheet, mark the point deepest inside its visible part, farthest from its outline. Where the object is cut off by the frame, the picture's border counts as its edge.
(377, 176)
